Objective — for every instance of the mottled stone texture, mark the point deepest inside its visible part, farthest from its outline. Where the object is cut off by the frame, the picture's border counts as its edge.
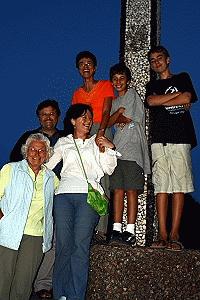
(140, 29)
(124, 273)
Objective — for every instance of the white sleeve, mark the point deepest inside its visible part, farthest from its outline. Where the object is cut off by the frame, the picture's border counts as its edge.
(56, 157)
(108, 160)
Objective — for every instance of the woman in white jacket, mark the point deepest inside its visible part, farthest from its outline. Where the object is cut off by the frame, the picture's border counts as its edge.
(75, 220)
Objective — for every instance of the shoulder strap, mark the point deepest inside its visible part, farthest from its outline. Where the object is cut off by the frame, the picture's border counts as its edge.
(80, 159)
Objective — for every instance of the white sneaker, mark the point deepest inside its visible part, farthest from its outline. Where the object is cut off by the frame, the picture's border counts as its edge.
(62, 298)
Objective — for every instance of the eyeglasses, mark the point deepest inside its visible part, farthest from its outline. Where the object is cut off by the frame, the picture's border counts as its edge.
(38, 151)
(53, 114)
(85, 64)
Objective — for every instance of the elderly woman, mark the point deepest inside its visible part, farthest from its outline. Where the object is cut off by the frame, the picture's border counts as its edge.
(75, 219)
(26, 224)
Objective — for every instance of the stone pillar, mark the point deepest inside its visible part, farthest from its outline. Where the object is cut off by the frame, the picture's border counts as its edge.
(140, 29)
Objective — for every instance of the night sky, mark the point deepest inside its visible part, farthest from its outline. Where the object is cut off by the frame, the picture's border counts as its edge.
(39, 42)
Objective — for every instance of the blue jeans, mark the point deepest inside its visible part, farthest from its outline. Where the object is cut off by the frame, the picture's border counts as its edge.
(75, 221)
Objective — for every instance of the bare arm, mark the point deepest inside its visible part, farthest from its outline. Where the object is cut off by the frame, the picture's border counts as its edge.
(157, 100)
(114, 118)
(182, 98)
(176, 98)
(123, 119)
(105, 116)
(104, 122)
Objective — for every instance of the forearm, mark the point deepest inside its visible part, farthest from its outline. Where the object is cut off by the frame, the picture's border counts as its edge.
(114, 118)
(123, 119)
(105, 120)
(105, 116)
(157, 100)
(181, 99)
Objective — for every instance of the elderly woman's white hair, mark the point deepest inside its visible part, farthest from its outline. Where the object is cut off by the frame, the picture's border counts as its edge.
(37, 137)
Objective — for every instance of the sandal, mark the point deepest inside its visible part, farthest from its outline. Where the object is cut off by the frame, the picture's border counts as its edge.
(175, 246)
(159, 244)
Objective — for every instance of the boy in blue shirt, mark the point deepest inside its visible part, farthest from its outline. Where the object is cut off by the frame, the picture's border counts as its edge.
(128, 118)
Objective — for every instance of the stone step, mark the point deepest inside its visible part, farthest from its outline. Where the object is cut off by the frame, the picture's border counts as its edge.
(141, 273)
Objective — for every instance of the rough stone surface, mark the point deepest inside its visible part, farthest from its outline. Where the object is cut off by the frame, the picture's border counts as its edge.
(139, 31)
(122, 272)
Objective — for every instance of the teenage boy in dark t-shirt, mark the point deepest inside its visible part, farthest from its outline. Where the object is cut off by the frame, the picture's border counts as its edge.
(172, 132)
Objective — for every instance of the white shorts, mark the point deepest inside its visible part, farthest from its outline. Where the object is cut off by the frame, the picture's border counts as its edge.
(171, 168)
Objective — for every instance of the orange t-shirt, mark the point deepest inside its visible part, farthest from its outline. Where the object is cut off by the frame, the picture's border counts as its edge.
(95, 98)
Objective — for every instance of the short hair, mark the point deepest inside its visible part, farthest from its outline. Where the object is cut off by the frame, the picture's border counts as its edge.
(37, 137)
(74, 112)
(86, 54)
(158, 49)
(46, 103)
(120, 68)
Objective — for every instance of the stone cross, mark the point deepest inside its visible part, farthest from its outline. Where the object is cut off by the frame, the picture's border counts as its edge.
(140, 30)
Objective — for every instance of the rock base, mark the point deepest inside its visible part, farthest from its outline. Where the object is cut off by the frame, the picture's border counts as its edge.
(126, 273)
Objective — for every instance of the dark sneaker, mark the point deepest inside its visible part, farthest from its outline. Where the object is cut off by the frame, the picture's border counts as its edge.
(116, 237)
(45, 294)
(128, 238)
(99, 238)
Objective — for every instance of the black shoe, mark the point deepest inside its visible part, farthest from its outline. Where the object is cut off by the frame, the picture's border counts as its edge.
(116, 237)
(128, 238)
(45, 294)
(99, 238)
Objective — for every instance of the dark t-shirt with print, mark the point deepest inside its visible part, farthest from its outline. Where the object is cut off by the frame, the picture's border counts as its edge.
(171, 124)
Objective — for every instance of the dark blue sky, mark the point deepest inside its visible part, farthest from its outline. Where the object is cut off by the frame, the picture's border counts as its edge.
(180, 27)
(39, 42)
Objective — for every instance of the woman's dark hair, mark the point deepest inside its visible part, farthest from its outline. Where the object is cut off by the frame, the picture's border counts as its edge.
(46, 103)
(158, 49)
(75, 111)
(86, 54)
(120, 68)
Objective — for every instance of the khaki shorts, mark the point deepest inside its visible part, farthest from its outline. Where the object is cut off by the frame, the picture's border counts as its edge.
(171, 168)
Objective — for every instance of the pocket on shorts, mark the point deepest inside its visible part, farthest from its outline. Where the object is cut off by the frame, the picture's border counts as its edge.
(157, 153)
(182, 161)
(159, 164)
